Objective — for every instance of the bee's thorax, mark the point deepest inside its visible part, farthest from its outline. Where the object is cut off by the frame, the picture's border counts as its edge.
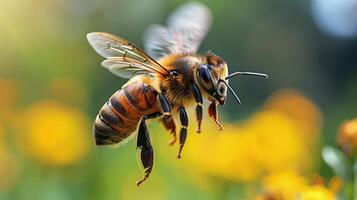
(177, 87)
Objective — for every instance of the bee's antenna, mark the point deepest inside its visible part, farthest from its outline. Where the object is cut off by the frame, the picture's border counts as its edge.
(232, 91)
(247, 73)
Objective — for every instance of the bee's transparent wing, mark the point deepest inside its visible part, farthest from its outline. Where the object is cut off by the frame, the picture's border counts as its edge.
(186, 28)
(122, 57)
(190, 25)
(125, 68)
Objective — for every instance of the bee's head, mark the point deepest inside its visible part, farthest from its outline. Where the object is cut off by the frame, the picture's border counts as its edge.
(213, 77)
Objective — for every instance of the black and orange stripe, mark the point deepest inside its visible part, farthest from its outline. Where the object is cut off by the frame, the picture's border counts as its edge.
(119, 117)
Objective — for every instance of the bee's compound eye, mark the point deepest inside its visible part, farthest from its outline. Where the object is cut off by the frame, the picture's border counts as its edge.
(205, 75)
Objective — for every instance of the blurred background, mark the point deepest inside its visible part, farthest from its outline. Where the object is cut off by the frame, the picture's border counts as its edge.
(52, 86)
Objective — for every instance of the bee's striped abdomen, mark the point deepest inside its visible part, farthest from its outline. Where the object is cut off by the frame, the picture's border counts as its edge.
(119, 117)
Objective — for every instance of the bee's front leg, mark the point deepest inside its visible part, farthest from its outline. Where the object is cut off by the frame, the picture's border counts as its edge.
(167, 119)
(183, 131)
(198, 97)
(213, 114)
(146, 151)
(165, 105)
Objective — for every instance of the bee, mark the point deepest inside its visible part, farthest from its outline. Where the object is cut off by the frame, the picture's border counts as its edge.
(170, 77)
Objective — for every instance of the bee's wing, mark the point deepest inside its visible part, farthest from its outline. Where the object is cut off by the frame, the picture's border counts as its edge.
(125, 68)
(186, 28)
(123, 58)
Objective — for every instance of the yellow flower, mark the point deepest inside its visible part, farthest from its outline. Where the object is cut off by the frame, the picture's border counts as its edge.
(302, 110)
(290, 186)
(286, 185)
(55, 134)
(221, 156)
(270, 141)
(267, 142)
(294, 104)
(317, 192)
(347, 137)
(279, 144)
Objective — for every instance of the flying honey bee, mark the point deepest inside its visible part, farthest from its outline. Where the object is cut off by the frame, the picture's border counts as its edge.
(170, 77)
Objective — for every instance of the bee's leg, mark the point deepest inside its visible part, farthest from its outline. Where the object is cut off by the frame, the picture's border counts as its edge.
(183, 131)
(198, 97)
(146, 151)
(170, 125)
(165, 105)
(212, 112)
(167, 119)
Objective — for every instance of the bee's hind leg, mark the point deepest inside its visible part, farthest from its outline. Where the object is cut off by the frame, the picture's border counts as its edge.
(198, 98)
(212, 112)
(146, 151)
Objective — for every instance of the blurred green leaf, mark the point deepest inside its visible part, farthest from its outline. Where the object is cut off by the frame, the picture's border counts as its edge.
(337, 161)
